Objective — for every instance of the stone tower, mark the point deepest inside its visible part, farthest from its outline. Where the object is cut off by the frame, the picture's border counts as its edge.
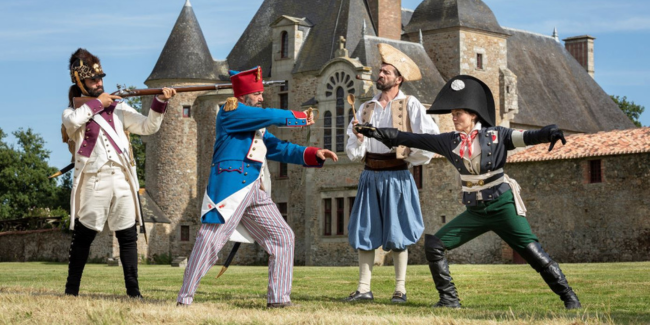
(464, 37)
(171, 166)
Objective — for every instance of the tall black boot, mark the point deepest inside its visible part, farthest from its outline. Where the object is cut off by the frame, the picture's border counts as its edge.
(551, 273)
(128, 240)
(435, 253)
(82, 238)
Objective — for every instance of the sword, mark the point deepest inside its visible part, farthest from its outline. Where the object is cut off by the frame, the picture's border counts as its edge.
(62, 171)
(143, 228)
(229, 259)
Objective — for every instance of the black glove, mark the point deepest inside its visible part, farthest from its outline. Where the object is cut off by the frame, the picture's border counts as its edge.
(550, 133)
(385, 135)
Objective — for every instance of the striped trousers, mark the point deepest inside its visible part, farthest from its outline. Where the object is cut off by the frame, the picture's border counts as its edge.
(263, 220)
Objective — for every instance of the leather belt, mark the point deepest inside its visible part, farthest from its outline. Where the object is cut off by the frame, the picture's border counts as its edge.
(482, 181)
(384, 161)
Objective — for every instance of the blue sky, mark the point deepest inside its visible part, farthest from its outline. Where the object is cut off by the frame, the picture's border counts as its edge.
(38, 36)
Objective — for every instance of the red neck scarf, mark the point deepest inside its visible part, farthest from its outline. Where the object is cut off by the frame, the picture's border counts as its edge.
(467, 143)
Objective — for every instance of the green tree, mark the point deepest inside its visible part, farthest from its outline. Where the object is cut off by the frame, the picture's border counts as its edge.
(139, 148)
(632, 110)
(24, 185)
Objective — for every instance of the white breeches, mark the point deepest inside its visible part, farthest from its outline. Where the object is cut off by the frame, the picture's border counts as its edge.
(106, 195)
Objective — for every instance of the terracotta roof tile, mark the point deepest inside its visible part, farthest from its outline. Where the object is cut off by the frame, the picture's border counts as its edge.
(618, 142)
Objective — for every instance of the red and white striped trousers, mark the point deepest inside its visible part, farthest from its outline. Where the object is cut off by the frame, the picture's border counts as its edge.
(263, 220)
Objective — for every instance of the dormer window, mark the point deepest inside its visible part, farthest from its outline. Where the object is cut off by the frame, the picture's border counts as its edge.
(284, 52)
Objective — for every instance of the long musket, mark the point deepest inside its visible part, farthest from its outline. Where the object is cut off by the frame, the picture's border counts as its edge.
(80, 101)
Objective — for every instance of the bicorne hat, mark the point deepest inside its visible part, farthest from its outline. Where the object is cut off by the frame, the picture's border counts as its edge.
(468, 93)
(246, 82)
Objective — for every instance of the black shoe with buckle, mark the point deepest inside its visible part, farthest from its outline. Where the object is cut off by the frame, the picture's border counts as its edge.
(358, 296)
(398, 297)
(288, 304)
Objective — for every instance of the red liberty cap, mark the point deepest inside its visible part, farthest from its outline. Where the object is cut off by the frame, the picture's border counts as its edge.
(246, 82)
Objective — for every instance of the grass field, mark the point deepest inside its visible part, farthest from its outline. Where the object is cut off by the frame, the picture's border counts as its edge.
(31, 293)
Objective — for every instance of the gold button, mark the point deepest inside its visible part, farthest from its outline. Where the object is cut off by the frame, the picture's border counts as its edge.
(253, 148)
(212, 165)
(88, 129)
(400, 108)
(245, 174)
(243, 182)
(248, 165)
(250, 155)
(255, 141)
(399, 115)
(84, 144)
(86, 137)
(110, 120)
(112, 172)
(468, 202)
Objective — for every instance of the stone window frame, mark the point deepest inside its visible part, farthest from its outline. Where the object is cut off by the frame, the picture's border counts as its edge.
(284, 44)
(347, 197)
(283, 170)
(189, 111)
(284, 210)
(482, 53)
(283, 96)
(181, 236)
(344, 79)
(595, 171)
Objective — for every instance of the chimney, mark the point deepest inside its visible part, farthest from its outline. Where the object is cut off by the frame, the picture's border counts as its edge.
(386, 17)
(582, 49)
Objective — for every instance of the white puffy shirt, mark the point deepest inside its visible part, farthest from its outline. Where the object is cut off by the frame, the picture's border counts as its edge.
(382, 117)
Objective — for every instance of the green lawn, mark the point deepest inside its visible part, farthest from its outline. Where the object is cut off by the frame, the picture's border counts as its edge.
(514, 294)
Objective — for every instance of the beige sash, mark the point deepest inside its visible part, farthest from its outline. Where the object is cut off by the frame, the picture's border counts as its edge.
(401, 120)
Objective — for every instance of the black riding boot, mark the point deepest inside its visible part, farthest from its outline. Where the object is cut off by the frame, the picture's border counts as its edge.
(128, 240)
(82, 238)
(435, 253)
(551, 273)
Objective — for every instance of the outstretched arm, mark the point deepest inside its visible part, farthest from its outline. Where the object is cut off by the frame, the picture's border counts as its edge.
(550, 133)
(392, 137)
(247, 118)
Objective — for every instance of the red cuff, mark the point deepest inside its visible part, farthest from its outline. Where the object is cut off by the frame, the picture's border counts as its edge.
(158, 106)
(298, 114)
(95, 106)
(310, 156)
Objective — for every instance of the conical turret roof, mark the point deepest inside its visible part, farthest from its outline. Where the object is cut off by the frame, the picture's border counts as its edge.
(439, 14)
(186, 54)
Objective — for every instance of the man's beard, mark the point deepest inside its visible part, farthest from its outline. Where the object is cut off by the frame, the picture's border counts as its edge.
(95, 92)
(249, 102)
(386, 85)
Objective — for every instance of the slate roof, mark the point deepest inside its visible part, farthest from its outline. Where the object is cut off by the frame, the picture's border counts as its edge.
(618, 142)
(554, 88)
(331, 19)
(439, 14)
(407, 14)
(151, 212)
(186, 54)
(424, 89)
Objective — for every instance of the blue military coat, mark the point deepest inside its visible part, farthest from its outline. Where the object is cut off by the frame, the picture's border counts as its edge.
(241, 147)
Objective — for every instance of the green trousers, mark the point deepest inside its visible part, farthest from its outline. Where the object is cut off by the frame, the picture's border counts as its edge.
(499, 216)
